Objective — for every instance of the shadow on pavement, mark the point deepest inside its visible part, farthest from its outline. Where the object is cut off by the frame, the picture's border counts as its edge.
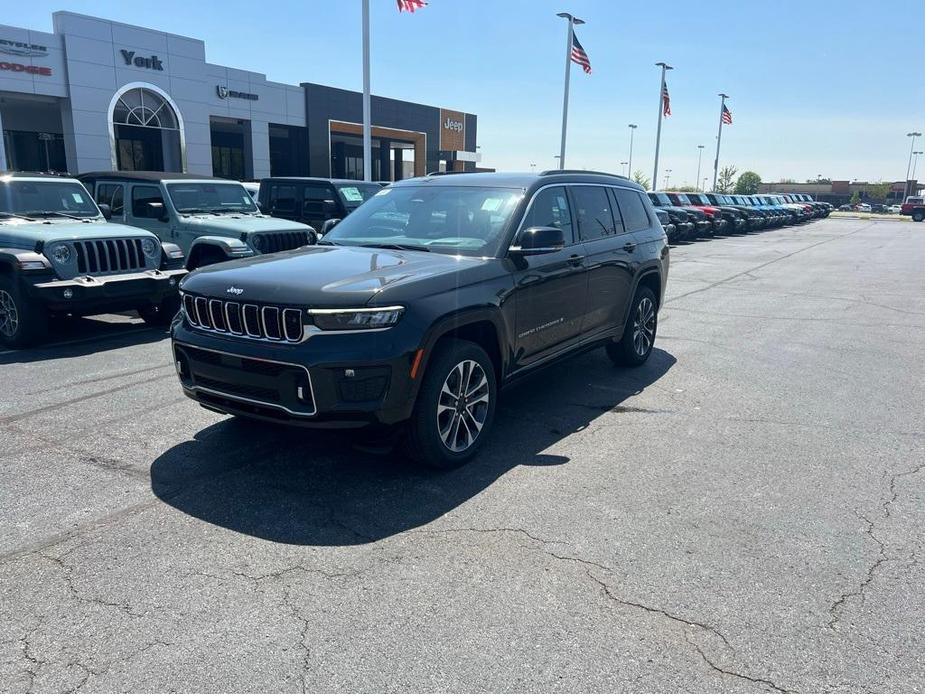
(309, 487)
(77, 337)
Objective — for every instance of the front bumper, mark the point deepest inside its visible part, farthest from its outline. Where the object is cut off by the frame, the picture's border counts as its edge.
(328, 381)
(113, 292)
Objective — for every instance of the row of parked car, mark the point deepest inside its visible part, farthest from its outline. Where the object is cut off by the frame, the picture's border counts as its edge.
(687, 216)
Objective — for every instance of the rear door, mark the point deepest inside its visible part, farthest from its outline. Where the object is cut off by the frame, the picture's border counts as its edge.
(611, 256)
(112, 194)
(551, 290)
(284, 199)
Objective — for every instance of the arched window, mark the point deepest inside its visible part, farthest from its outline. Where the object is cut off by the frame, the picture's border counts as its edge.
(147, 130)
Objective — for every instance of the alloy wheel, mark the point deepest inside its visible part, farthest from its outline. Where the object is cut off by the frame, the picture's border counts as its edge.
(9, 315)
(644, 326)
(462, 406)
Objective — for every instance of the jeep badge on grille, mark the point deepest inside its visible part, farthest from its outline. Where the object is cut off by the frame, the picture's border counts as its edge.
(234, 290)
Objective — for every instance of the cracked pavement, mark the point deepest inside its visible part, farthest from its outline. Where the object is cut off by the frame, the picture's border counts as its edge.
(744, 514)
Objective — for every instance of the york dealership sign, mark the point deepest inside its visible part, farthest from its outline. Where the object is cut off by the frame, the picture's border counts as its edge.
(452, 130)
(20, 48)
(225, 93)
(149, 62)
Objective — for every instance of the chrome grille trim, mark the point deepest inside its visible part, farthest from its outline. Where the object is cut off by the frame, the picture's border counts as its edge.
(263, 322)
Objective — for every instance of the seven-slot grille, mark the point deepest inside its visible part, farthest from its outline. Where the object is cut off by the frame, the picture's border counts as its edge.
(109, 255)
(279, 241)
(258, 322)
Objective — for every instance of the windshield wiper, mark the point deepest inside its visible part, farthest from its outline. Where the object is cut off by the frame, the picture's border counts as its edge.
(48, 213)
(395, 246)
(17, 215)
(325, 242)
(193, 210)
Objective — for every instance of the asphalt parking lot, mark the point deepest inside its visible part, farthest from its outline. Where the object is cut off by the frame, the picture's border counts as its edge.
(743, 514)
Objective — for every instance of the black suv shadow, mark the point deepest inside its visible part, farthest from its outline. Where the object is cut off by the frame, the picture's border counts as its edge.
(77, 337)
(309, 487)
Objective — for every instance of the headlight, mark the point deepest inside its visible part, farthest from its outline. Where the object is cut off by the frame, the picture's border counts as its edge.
(149, 248)
(356, 318)
(61, 254)
(257, 242)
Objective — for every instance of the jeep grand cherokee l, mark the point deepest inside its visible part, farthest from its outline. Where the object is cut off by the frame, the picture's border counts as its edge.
(423, 302)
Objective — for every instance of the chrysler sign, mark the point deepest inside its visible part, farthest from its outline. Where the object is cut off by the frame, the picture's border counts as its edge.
(22, 49)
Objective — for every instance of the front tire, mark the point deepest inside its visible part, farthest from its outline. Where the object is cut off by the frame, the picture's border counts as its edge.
(635, 346)
(23, 322)
(455, 407)
(160, 315)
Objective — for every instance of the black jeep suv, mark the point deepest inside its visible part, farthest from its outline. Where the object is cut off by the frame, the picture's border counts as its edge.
(423, 302)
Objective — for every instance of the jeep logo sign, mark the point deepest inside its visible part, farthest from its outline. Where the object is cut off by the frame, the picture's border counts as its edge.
(151, 63)
(452, 131)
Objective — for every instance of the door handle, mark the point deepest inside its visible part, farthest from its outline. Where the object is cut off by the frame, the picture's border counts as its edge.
(575, 260)
(629, 246)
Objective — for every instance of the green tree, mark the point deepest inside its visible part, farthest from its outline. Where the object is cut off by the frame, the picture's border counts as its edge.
(640, 178)
(687, 189)
(748, 183)
(727, 175)
(878, 191)
(855, 198)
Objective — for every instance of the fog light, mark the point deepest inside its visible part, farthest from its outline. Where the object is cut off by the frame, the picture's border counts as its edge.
(173, 281)
(179, 364)
(68, 293)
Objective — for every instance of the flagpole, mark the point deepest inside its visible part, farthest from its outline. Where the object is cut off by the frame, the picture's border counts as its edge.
(568, 71)
(367, 115)
(719, 137)
(658, 133)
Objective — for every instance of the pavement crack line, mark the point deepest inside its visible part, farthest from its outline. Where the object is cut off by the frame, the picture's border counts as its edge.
(860, 591)
(738, 675)
(67, 571)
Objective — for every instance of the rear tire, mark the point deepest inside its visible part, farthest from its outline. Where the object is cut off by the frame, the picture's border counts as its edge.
(455, 407)
(160, 315)
(638, 339)
(918, 216)
(23, 322)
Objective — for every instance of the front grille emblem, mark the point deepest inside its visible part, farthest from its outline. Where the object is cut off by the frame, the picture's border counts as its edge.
(234, 290)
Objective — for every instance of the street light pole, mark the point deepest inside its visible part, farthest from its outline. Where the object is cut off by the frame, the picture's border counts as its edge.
(699, 157)
(719, 137)
(572, 21)
(629, 169)
(367, 115)
(913, 135)
(667, 176)
(661, 109)
(623, 167)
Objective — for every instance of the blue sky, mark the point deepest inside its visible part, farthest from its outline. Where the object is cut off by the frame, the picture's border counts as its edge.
(817, 87)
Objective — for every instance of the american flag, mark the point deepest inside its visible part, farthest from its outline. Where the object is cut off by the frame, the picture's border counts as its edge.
(727, 115)
(580, 56)
(666, 100)
(410, 5)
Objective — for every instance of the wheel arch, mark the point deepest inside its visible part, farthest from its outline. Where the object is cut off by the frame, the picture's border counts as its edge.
(485, 327)
(226, 248)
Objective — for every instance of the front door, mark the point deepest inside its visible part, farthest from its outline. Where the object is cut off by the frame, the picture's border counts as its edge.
(148, 210)
(318, 202)
(551, 290)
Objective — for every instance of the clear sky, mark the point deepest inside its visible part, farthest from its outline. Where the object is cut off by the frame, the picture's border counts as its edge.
(817, 87)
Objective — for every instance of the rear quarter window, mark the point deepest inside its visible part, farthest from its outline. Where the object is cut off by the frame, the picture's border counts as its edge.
(634, 210)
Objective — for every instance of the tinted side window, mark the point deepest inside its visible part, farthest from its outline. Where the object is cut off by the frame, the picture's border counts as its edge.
(635, 215)
(550, 209)
(282, 198)
(142, 196)
(111, 194)
(593, 213)
(313, 198)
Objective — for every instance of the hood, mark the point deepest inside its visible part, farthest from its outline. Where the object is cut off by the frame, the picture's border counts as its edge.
(324, 276)
(237, 224)
(19, 233)
(694, 211)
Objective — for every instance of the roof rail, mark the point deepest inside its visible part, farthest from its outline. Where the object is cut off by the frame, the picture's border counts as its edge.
(446, 173)
(553, 172)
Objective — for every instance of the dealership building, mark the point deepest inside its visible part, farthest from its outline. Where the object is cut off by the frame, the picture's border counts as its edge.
(100, 95)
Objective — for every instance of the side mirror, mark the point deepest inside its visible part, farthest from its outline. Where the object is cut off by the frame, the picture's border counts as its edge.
(262, 208)
(539, 240)
(105, 210)
(157, 210)
(327, 225)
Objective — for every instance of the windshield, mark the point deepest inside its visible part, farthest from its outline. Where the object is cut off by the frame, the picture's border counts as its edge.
(660, 199)
(46, 198)
(461, 220)
(682, 199)
(210, 197)
(355, 194)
